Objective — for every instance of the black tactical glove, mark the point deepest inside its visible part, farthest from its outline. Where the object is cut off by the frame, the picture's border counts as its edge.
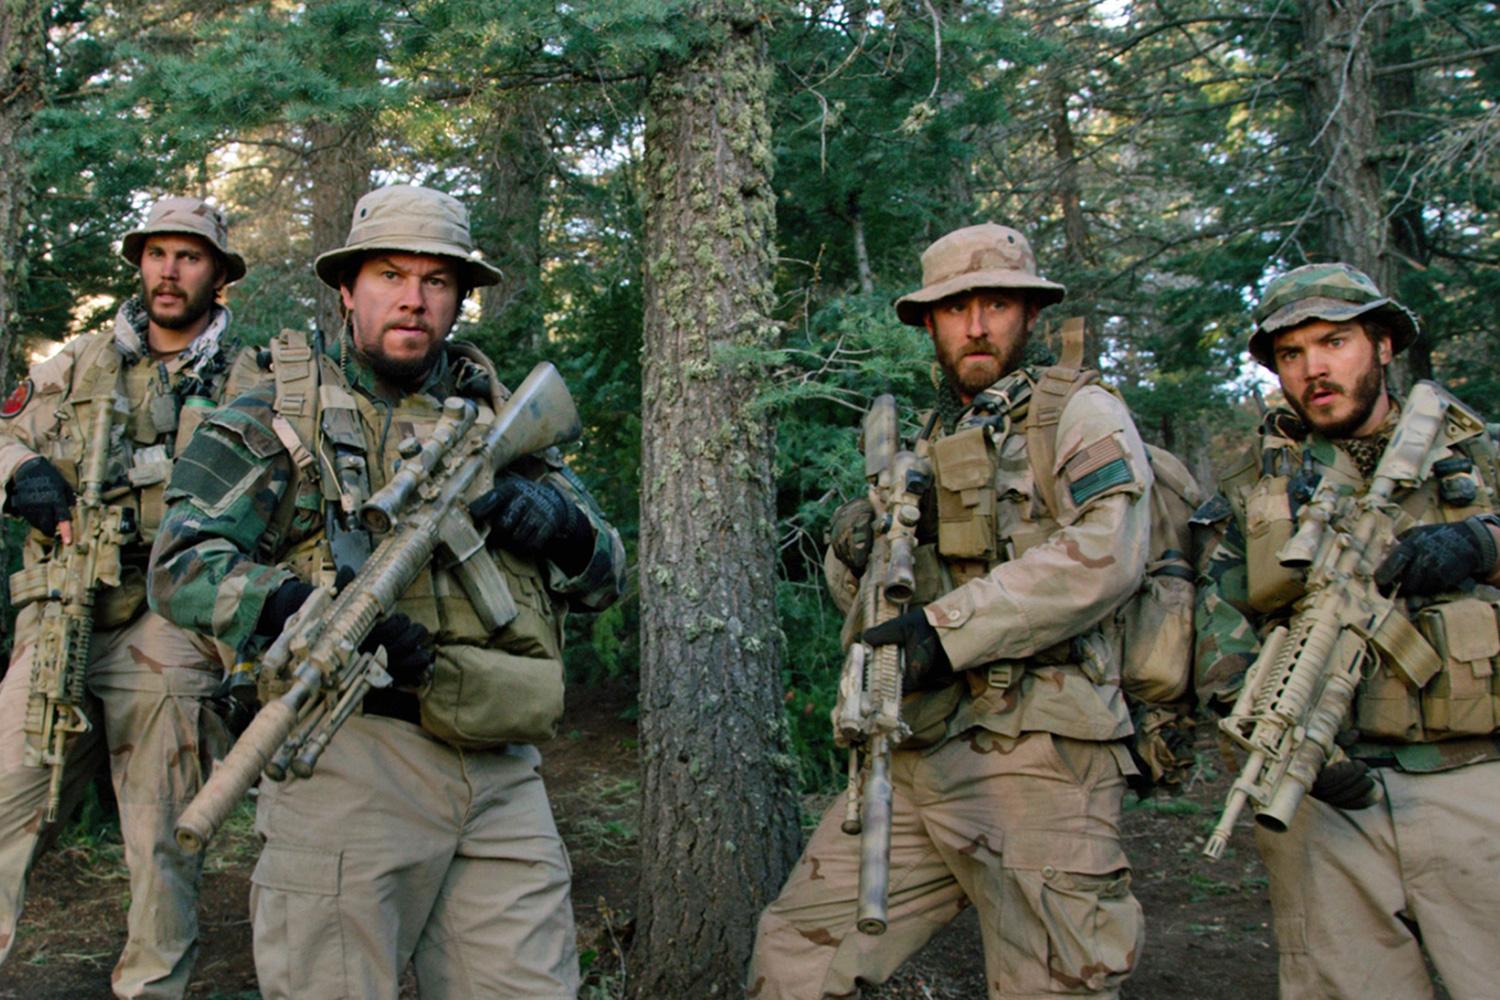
(851, 533)
(409, 650)
(1436, 557)
(1347, 784)
(280, 606)
(927, 664)
(534, 520)
(40, 494)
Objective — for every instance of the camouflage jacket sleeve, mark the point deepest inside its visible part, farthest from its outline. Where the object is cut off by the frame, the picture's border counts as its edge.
(37, 402)
(1064, 585)
(225, 490)
(1227, 641)
(602, 581)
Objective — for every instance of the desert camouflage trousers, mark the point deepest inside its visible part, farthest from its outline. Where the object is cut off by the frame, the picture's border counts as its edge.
(402, 849)
(146, 682)
(1356, 896)
(1025, 829)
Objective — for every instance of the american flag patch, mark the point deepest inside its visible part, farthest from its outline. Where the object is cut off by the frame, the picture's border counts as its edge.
(1096, 469)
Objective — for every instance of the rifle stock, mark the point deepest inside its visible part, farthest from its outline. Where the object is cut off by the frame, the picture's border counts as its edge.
(319, 649)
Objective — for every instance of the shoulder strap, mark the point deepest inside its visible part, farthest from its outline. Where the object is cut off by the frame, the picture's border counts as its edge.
(1049, 397)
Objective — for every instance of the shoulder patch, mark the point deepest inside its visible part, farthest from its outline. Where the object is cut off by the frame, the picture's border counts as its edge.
(1099, 467)
(17, 400)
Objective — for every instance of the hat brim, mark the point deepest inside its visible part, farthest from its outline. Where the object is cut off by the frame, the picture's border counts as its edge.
(135, 241)
(1402, 324)
(912, 309)
(330, 266)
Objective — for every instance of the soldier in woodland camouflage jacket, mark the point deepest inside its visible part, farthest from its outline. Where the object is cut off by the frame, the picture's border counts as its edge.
(1008, 794)
(1363, 882)
(168, 360)
(407, 844)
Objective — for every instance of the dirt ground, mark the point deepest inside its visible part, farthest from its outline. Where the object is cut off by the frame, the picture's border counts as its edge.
(1208, 923)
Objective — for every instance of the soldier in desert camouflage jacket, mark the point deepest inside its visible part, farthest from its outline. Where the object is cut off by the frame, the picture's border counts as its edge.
(408, 843)
(167, 361)
(1358, 887)
(1007, 796)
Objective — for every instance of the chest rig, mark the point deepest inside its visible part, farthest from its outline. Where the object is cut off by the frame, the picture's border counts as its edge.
(1403, 698)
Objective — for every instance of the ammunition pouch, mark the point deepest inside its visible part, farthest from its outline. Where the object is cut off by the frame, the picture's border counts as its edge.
(927, 714)
(1268, 526)
(1462, 699)
(964, 472)
(482, 698)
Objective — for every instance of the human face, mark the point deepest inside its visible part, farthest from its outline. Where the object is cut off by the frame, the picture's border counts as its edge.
(180, 277)
(401, 306)
(1333, 375)
(979, 336)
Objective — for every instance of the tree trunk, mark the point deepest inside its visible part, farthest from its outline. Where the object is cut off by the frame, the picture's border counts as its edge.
(861, 251)
(508, 223)
(21, 51)
(719, 814)
(339, 162)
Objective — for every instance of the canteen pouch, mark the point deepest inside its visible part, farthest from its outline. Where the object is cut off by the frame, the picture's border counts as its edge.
(482, 698)
(1156, 632)
(964, 467)
(1268, 526)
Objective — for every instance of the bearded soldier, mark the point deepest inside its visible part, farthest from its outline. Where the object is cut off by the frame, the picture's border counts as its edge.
(166, 363)
(1391, 854)
(1007, 795)
(416, 839)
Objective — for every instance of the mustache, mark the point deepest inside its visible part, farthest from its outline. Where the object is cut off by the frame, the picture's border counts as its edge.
(413, 322)
(168, 287)
(1323, 385)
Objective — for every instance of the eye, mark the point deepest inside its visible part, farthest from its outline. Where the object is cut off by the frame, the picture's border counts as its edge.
(438, 280)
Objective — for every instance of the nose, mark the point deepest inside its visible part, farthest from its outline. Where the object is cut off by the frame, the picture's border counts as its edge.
(169, 265)
(974, 320)
(413, 295)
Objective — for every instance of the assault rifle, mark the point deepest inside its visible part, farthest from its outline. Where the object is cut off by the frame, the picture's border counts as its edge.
(422, 507)
(1298, 690)
(68, 582)
(867, 718)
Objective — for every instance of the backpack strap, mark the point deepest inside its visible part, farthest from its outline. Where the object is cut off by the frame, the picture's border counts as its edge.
(1049, 397)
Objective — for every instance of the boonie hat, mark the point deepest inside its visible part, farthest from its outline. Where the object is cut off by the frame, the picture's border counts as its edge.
(411, 220)
(191, 217)
(984, 256)
(1332, 292)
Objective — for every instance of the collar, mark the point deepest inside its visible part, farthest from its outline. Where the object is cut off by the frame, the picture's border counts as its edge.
(207, 354)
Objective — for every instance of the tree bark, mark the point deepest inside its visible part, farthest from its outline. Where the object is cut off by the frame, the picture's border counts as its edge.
(861, 250)
(339, 162)
(21, 53)
(508, 224)
(719, 814)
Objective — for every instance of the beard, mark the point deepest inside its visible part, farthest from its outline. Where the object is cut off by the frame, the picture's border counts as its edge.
(975, 377)
(195, 305)
(405, 373)
(1365, 393)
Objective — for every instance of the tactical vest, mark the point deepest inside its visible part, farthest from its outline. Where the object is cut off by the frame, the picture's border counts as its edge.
(1462, 699)
(150, 427)
(489, 688)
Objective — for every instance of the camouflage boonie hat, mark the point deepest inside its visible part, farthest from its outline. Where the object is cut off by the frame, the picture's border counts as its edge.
(190, 217)
(409, 219)
(984, 256)
(1332, 292)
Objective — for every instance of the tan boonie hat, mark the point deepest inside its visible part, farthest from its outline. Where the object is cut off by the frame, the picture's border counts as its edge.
(986, 256)
(1332, 292)
(410, 220)
(191, 217)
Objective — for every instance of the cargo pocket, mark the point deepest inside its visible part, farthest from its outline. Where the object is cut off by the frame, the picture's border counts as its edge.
(1086, 928)
(299, 933)
(964, 464)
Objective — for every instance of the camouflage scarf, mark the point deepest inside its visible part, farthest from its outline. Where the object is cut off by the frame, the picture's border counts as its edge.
(1366, 451)
(201, 359)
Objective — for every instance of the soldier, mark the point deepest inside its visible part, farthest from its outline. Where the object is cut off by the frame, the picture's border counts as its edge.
(1360, 887)
(167, 360)
(1007, 796)
(401, 846)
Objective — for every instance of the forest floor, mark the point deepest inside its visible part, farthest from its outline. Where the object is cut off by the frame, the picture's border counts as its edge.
(1207, 923)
